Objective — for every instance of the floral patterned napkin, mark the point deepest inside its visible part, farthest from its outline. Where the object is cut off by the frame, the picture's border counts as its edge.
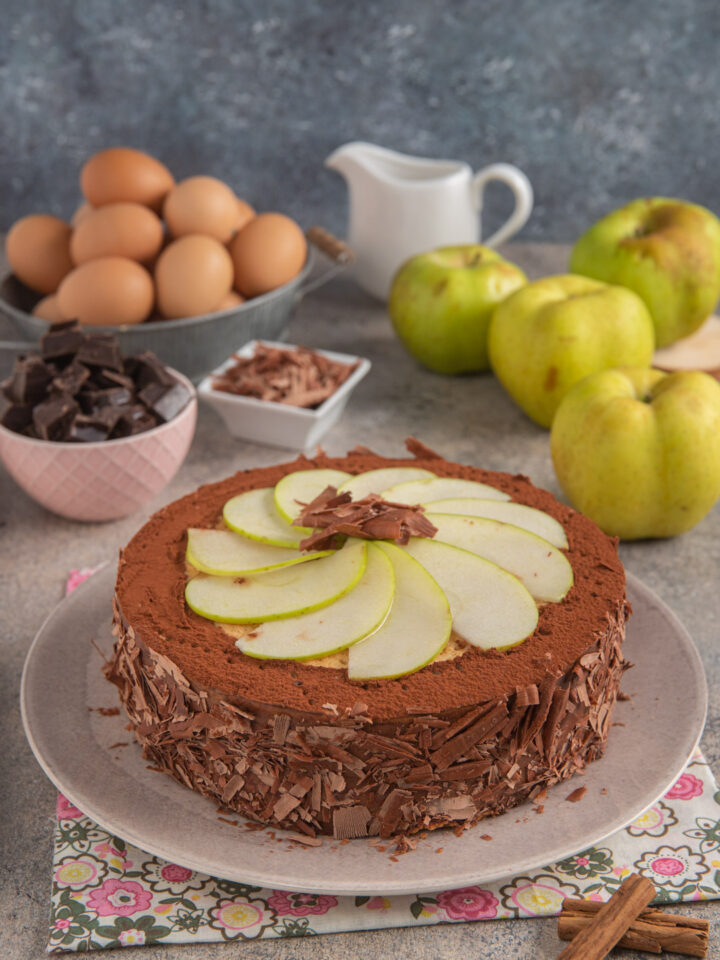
(106, 893)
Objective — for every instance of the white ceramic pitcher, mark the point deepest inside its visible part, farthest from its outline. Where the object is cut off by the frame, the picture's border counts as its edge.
(401, 205)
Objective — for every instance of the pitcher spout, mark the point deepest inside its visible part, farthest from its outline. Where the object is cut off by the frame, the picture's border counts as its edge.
(351, 159)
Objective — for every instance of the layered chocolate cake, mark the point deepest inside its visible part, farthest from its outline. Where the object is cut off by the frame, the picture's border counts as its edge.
(327, 680)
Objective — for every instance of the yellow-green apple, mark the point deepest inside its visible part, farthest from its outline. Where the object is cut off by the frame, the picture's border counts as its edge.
(638, 450)
(552, 333)
(667, 251)
(440, 305)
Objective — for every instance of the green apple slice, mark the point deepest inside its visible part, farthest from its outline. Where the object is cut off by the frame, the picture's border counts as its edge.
(253, 514)
(529, 518)
(375, 481)
(302, 487)
(225, 553)
(416, 629)
(286, 592)
(542, 568)
(440, 488)
(490, 607)
(335, 627)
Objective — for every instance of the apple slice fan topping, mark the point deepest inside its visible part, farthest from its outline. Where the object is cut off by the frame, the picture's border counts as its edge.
(376, 570)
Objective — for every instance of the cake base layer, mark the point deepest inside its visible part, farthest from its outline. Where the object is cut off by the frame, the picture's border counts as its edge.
(351, 777)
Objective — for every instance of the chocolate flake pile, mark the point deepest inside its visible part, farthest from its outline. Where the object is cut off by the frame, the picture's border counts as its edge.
(80, 389)
(299, 377)
(334, 515)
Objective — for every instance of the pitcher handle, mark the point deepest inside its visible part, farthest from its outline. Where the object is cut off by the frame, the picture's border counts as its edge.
(522, 189)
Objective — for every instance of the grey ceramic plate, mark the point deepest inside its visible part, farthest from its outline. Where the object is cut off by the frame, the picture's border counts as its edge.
(113, 785)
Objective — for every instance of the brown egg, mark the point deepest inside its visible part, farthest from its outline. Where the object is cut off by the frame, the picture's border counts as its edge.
(229, 301)
(118, 230)
(121, 174)
(269, 251)
(38, 250)
(245, 214)
(201, 205)
(192, 276)
(83, 211)
(110, 291)
(48, 309)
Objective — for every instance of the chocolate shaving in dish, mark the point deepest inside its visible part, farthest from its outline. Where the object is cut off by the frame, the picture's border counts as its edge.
(79, 389)
(334, 515)
(300, 377)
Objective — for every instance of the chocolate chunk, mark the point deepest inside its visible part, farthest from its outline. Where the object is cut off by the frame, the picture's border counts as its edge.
(146, 369)
(135, 419)
(83, 391)
(29, 381)
(53, 418)
(165, 402)
(17, 418)
(101, 350)
(110, 378)
(85, 429)
(62, 341)
(71, 379)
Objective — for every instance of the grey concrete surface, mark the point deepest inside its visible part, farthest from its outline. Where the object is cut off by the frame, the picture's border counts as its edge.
(599, 101)
(469, 419)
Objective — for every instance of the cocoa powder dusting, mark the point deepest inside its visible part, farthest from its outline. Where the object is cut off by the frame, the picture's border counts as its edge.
(151, 583)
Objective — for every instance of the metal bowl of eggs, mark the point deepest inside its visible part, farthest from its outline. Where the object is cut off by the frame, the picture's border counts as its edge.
(187, 270)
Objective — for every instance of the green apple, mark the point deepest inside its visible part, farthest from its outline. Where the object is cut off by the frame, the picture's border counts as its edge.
(490, 607)
(287, 592)
(375, 481)
(225, 553)
(638, 451)
(543, 569)
(667, 251)
(440, 305)
(302, 487)
(554, 332)
(416, 629)
(529, 518)
(439, 488)
(254, 515)
(333, 628)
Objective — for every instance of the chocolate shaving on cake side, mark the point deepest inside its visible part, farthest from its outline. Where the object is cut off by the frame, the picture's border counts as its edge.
(298, 377)
(334, 515)
(305, 749)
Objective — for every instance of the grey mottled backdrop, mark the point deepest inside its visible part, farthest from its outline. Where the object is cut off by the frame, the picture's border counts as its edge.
(597, 101)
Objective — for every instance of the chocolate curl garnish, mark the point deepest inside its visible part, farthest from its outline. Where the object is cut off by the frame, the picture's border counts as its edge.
(334, 514)
(299, 378)
(418, 449)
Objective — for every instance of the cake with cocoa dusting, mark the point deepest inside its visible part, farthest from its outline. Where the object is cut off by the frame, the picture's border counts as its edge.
(298, 745)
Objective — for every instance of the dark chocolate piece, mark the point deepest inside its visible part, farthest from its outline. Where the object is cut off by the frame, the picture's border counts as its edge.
(110, 378)
(71, 379)
(62, 340)
(29, 381)
(87, 430)
(52, 418)
(17, 418)
(165, 402)
(82, 390)
(147, 369)
(101, 350)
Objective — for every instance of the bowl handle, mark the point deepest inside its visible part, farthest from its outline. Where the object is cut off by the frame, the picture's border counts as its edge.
(338, 252)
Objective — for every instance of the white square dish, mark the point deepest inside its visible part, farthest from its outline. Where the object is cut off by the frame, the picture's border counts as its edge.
(279, 424)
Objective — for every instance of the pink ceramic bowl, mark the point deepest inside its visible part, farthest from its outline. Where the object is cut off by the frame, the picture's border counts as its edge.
(100, 481)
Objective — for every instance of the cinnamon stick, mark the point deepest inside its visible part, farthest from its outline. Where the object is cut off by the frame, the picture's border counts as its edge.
(611, 922)
(653, 931)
